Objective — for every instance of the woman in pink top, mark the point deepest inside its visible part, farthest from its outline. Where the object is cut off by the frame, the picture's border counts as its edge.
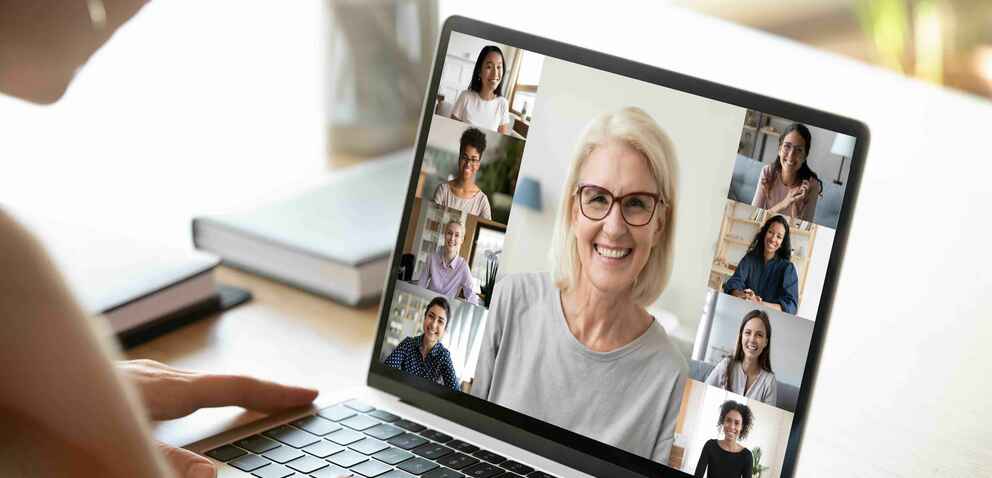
(789, 186)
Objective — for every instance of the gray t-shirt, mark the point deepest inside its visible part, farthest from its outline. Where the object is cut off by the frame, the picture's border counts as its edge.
(530, 362)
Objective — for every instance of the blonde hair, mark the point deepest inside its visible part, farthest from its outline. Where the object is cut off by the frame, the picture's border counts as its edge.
(636, 129)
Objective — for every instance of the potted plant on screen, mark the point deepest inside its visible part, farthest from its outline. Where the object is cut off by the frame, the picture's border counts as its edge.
(756, 467)
(492, 267)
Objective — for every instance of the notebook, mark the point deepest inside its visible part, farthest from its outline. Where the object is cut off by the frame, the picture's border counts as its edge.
(653, 305)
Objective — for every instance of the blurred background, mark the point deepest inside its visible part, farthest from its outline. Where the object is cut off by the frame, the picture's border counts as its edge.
(946, 42)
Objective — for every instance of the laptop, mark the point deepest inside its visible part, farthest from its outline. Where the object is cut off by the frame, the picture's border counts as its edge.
(603, 268)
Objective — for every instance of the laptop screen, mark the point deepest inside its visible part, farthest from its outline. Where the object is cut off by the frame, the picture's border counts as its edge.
(636, 264)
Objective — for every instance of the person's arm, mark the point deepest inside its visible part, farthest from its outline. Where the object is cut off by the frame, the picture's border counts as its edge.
(492, 336)
(438, 196)
(748, 471)
(395, 358)
(714, 378)
(486, 212)
(504, 116)
(737, 283)
(425, 275)
(458, 111)
(789, 301)
(809, 205)
(448, 372)
(761, 189)
(666, 434)
(771, 397)
(468, 289)
(703, 462)
(60, 395)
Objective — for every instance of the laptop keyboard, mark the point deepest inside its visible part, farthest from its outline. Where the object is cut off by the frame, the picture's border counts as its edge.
(354, 439)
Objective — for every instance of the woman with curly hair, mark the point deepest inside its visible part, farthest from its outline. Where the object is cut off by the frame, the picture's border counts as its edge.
(725, 457)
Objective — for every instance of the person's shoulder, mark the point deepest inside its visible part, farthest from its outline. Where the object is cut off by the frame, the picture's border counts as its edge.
(767, 173)
(746, 452)
(407, 343)
(666, 349)
(525, 288)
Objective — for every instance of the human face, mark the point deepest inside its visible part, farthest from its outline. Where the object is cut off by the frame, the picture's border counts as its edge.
(611, 252)
(773, 238)
(491, 72)
(452, 238)
(468, 162)
(732, 423)
(792, 151)
(435, 320)
(754, 338)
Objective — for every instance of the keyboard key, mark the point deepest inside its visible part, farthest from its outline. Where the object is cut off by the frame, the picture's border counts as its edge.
(383, 431)
(225, 453)
(291, 436)
(332, 471)
(307, 464)
(443, 473)
(432, 451)
(407, 441)
(256, 444)
(435, 435)
(368, 446)
(323, 449)
(516, 467)
(464, 447)
(396, 474)
(393, 456)
(360, 422)
(384, 416)
(509, 475)
(358, 406)
(417, 466)
(347, 458)
(345, 436)
(249, 462)
(371, 468)
(283, 454)
(482, 470)
(490, 456)
(273, 471)
(316, 425)
(410, 426)
(457, 461)
(336, 413)
(540, 474)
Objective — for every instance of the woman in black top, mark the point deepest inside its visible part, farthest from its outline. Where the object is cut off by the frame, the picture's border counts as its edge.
(725, 458)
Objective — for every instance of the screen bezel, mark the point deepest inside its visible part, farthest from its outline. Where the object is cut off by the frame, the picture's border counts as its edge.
(555, 443)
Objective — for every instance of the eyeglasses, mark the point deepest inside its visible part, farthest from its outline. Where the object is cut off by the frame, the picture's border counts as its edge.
(637, 208)
(789, 147)
(468, 159)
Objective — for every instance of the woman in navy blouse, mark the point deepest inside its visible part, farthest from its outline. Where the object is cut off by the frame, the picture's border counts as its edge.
(425, 356)
(766, 274)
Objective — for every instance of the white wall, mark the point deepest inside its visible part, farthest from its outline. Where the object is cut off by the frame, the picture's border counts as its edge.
(790, 337)
(705, 135)
(822, 245)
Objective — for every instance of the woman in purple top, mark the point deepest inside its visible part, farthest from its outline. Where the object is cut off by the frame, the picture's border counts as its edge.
(446, 272)
(789, 186)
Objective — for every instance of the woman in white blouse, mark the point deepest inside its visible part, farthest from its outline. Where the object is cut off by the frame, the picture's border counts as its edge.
(749, 371)
(483, 104)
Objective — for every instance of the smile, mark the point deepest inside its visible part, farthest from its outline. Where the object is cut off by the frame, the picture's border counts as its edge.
(612, 253)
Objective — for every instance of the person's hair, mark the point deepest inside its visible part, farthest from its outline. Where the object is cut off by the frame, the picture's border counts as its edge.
(765, 359)
(804, 172)
(454, 221)
(747, 418)
(443, 303)
(476, 84)
(757, 247)
(636, 129)
(474, 138)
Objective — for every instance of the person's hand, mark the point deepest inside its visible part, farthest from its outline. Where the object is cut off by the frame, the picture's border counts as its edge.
(749, 295)
(169, 393)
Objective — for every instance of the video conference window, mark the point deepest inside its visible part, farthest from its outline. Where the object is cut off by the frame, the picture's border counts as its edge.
(470, 169)
(792, 169)
(488, 85)
(654, 285)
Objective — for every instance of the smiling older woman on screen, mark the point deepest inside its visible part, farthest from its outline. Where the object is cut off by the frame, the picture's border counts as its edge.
(558, 348)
